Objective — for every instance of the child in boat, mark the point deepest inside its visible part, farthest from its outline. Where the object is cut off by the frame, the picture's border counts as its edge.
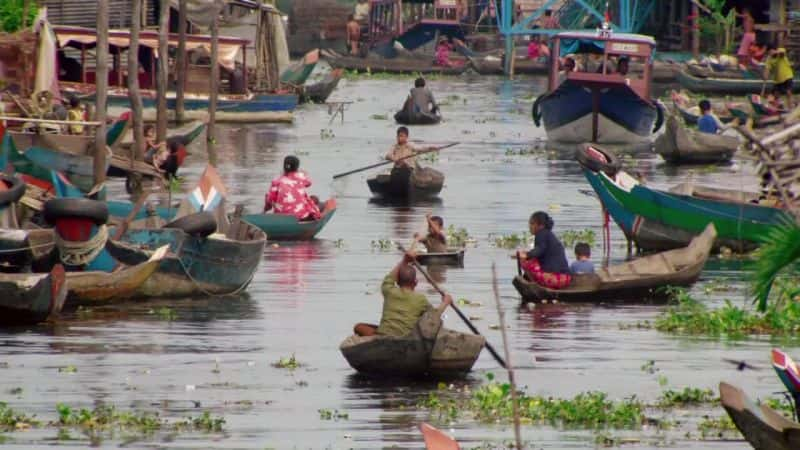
(402, 149)
(546, 264)
(287, 193)
(538, 50)
(353, 34)
(402, 306)
(75, 114)
(155, 152)
(707, 122)
(435, 241)
(582, 264)
(780, 68)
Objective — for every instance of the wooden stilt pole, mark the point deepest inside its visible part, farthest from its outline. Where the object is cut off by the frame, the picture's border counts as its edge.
(163, 67)
(137, 151)
(101, 83)
(180, 66)
(212, 92)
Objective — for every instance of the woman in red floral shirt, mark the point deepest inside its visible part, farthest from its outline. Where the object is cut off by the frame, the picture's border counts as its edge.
(287, 193)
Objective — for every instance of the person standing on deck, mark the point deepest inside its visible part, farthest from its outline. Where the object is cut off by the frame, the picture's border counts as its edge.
(780, 68)
(402, 306)
(422, 98)
(749, 36)
(546, 264)
(75, 114)
(287, 193)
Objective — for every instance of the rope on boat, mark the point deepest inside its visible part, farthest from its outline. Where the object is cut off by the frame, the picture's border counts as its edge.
(22, 249)
(197, 284)
(79, 253)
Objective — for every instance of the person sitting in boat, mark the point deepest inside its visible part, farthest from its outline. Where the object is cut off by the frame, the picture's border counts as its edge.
(422, 98)
(435, 241)
(546, 264)
(779, 67)
(443, 49)
(538, 50)
(582, 264)
(707, 122)
(353, 34)
(75, 114)
(402, 306)
(287, 193)
(152, 147)
(623, 65)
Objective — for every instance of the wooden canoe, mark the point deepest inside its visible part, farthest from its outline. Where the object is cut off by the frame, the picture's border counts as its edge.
(31, 298)
(493, 65)
(452, 257)
(390, 65)
(638, 280)
(185, 134)
(298, 72)
(320, 91)
(727, 86)
(761, 426)
(287, 227)
(789, 374)
(691, 114)
(679, 145)
(93, 287)
(429, 350)
(405, 184)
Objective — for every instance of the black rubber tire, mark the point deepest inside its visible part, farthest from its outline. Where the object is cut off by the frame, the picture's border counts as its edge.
(15, 191)
(85, 208)
(610, 167)
(198, 224)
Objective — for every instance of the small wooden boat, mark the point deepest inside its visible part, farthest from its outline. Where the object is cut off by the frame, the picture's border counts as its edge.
(297, 73)
(452, 257)
(763, 427)
(93, 287)
(320, 91)
(691, 114)
(31, 298)
(185, 134)
(408, 117)
(287, 227)
(726, 85)
(493, 65)
(407, 184)
(638, 280)
(679, 145)
(390, 65)
(429, 350)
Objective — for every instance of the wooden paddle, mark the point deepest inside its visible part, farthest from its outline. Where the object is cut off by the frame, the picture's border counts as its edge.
(466, 320)
(382, 163)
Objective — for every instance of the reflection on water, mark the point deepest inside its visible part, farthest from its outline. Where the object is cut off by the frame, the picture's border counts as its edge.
(183, 357)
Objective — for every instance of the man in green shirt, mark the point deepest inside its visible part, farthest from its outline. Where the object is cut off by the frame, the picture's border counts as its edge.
(780, 68)
(402, 306)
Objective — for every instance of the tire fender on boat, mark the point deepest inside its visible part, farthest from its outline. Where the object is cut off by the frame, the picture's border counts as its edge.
(200, 224)
(659, 117)
(536, 113)
(15, 190)
(610, 167)
(85, 208)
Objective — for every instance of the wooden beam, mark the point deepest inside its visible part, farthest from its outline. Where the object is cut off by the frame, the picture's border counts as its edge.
(181, 61)
(163, 72)
(137, 149)
(101, 84)
(213, 92)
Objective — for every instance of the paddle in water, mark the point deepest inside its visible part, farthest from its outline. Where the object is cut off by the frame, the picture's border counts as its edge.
(383, 163)
(466, 320)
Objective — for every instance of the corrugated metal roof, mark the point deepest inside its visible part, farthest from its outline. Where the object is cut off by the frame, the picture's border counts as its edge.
(83, 13)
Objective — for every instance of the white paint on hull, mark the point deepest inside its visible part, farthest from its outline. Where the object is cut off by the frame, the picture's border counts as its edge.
(608, 132)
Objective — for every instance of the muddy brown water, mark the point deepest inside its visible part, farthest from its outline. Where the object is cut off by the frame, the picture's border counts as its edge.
(216, 354)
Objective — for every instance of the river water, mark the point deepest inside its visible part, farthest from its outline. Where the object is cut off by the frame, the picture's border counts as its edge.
(217, 354)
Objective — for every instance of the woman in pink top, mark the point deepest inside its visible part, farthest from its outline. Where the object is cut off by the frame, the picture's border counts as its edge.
(287, 193)
(749, 36)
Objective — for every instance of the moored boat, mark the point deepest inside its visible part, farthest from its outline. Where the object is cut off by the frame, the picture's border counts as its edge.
(641, 279)
(726, 85)
(407, 116)
(287, 227)
(297, 73)
(429, 350)
(761, 426)
(321, 90)
(679, 145)
(451, 257)
(493, 65)
(405, 65)
(407, 184)
(31, 298)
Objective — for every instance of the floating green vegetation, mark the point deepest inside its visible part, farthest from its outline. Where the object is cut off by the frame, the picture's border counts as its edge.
(687, 315)
(326, 133)
(512, 240)
(378, 75)
(11, 420)
(333, 414)
(782, 405)
(430, 157)
(688, 396)
(68, 369)
(290, 363)
(107, 418)
(174, 184)
(717, 427)
(15, 391)
(458, 237)
(164, 313)
(379, 117)
(383, 245)
(571, 237)
(492, 402)
(338, 243)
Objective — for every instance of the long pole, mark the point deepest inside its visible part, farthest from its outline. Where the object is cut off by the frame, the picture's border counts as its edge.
(383, 163)
(133, 83)
(509, 367)
(213, 90)
(180, 68)
(163, 67)
(695, 31)
(101, 83)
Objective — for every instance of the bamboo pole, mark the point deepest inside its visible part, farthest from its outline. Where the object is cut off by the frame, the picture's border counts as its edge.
(137, 150)
(213, 91)
(163, 66)
(509, 367)
(101, 84)
(180, 68)
(695, 31)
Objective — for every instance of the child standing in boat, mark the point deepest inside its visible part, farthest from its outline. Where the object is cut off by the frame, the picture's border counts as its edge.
(546, 264)
(403, 149)
(435, 241)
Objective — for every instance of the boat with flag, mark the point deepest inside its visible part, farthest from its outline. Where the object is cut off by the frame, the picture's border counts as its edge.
(608, 100)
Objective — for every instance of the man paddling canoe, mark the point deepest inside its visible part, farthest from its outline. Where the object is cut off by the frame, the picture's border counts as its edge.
(402, 306)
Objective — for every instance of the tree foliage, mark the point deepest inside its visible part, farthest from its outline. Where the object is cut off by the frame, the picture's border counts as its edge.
(11, 12)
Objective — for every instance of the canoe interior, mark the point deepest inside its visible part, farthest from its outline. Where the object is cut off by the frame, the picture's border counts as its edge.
(453, 257)
(287, 227)
(404, 183)
(679, 145)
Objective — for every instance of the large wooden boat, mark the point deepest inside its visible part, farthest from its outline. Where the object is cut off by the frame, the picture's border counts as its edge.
(405, 65)
(602, 105)
(429, 350)
(321, 90)
(679, 145)
(287, 227)
(31, 298)
(761, 426)
(642, 279)
(297, 73)
(405, 184)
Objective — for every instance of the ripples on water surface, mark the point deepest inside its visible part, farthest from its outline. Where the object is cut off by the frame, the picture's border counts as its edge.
(217, 353)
